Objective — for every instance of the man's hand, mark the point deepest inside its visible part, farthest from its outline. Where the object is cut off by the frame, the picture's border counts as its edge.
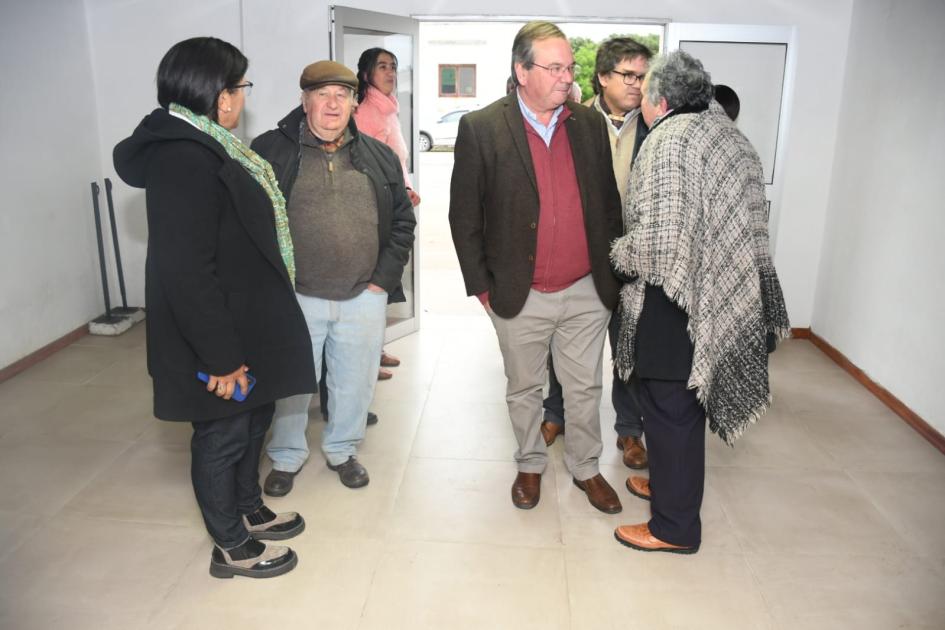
(225, 386)
(373, 288)
(414, 197)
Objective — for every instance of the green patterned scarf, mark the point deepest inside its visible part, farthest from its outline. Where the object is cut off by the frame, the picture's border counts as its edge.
(261, 171)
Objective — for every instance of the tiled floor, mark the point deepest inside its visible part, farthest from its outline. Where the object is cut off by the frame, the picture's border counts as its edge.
(827, 514)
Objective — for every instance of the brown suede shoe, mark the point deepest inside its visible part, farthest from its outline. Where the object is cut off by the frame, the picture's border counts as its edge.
(526, 490)
(640, 538)
(634, 453)
(550, 431)
(384, 375)
(389, 360)
(639, 487)
(600, 494)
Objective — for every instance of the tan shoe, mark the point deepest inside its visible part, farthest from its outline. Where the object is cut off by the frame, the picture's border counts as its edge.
(600, 494)
(526, 490)
(639, 486)
(550, 431)
(389, 360)
(634, 453)
(640, 538)
(384, 375)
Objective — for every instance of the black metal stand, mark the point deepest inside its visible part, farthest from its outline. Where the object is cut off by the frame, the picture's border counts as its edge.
(124, 309)
(108, 317)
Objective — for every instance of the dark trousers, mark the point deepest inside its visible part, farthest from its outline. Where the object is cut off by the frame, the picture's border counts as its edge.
(225, 471)
(675, 438)
(629, 419)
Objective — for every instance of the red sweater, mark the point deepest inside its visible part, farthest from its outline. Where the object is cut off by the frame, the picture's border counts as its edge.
(561, 258)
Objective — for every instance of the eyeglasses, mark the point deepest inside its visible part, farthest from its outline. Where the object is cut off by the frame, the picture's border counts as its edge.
(557, 70)
(248, 86)
(629, 78)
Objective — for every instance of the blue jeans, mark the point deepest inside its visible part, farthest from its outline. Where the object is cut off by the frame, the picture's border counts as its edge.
(351, 332)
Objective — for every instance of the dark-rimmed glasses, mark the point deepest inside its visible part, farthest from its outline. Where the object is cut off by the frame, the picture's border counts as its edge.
(248, 86)
(629, 78)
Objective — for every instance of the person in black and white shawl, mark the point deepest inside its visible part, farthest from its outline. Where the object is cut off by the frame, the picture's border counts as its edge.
(702, 303)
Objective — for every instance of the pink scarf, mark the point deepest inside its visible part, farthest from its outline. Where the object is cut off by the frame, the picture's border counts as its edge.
(376, 116)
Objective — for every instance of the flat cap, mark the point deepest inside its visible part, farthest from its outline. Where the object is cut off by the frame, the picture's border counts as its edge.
(327, 73)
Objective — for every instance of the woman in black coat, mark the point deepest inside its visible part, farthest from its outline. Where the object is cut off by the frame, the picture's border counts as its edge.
(220, 298)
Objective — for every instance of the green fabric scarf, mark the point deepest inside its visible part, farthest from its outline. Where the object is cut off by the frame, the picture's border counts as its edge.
(261, 171)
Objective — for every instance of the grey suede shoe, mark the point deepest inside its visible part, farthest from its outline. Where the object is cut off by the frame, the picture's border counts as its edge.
(252, 559)
(264, 524)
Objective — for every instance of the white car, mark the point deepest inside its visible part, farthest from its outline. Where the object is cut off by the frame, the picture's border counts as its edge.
(442, 132)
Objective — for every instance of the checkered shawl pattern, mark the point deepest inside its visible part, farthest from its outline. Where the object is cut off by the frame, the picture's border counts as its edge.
(697, 225)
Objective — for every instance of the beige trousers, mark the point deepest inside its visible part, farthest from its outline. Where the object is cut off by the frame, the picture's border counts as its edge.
(572, 325)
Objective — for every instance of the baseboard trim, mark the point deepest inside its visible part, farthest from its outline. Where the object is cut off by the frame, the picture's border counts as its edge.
(43, 353)
(885, 396)
(800, 333)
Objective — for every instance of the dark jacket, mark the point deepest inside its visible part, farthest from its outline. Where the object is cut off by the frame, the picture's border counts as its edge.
(395, 217)
(216, 288)
(494, 202)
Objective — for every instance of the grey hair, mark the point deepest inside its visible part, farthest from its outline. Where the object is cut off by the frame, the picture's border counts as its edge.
(680, 79)
(522, 51)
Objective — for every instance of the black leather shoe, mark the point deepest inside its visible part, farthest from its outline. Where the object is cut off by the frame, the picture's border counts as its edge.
(252, 559)
(371, 418)
(351, 473)
(279, 483)
(264, 524)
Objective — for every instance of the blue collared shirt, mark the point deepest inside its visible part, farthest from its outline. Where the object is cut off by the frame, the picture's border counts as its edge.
(544, 131)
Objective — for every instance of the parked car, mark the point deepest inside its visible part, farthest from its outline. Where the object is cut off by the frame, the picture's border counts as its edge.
(442, 132)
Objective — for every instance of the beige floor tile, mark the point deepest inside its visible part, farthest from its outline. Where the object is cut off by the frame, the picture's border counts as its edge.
(877, 441)
(327, 589)
(22, 399)
(395, 430)
(41, 475)
(470, 501)
(75, 364)
(632, 590)
(779, 439)
(799, 356)
(332, 509)
(129, 372)
(832, 392)
(15, 529)
(117, 572)
(803, 511)
(132, 338)
(148, 483)
(915, 505)
(96, 412)
(864, 592)
(163, 432)
(422, 585)
(454, 430)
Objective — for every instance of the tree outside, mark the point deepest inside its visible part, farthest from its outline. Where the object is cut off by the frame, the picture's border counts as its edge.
(585, 54)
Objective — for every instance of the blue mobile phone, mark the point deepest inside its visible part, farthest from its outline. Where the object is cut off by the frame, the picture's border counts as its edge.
(238, 394)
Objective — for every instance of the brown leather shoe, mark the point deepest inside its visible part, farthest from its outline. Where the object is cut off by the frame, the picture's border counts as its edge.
(600, 494)
(389, 360)
(550, 431)
(384, 375)
(639, 486)
(634, 453)
(526, 490)
(640, 538)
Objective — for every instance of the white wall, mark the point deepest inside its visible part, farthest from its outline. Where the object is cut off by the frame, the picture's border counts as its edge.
(128, 38)
(48, 260)
(879, 292)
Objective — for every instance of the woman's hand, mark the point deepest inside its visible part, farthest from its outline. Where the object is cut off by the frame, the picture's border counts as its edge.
(225, 386)
(414, 197)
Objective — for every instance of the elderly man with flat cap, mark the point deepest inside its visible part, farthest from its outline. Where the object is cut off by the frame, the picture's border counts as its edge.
(352, 227)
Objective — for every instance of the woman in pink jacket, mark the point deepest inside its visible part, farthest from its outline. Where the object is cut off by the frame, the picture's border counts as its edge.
(376, 116)
(377, 110)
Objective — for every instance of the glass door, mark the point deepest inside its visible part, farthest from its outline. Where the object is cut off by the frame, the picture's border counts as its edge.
(352, 32)
(758, 63)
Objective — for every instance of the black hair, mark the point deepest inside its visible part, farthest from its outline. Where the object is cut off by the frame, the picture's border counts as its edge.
(614, 50)
(729, 100)
(366, 68)
(195, 71)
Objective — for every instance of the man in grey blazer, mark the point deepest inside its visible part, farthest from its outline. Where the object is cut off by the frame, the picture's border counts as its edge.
(533, 210)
